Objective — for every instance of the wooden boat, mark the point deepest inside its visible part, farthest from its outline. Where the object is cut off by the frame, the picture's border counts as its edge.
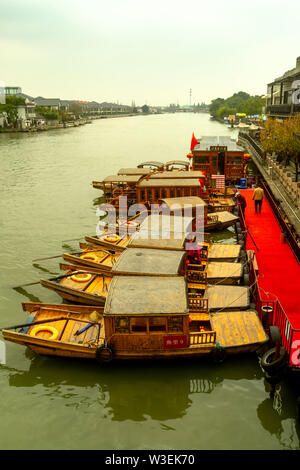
(94, 257)
(220, 221)
(80, 286)
(219, 154)
(155, 231)
(220, 204)
(210, 221)
(144, 318)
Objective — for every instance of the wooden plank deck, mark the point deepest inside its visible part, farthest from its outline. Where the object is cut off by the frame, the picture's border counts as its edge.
(220, 270)
(223, 252)
(227, 297)
(238, 328)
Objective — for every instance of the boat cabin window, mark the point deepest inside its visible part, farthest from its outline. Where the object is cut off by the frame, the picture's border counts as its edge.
(156, 194)
(122, 325)
(201, 159)
(178, 192)
(175, 324)
(138, 325)
(163, 193)
(234, 160)
(143, 195)
(157, 324)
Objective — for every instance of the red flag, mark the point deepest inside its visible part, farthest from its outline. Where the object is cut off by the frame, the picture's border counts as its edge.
(194, 142)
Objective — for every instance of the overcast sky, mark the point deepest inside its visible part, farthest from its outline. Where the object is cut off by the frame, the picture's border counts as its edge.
(153, 52)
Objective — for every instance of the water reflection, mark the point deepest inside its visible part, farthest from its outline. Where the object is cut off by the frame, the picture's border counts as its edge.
(275, 413)
(44, 270)
(27, 294)
(162, 391)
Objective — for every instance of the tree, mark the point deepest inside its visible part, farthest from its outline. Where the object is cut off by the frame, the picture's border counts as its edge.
(47, 113)
(240, 102)
(281, 138)
(225, 111)
(11, 108)
(145, 109)
(215, 105)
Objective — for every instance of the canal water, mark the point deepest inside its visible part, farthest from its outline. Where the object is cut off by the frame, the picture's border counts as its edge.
(46, 197)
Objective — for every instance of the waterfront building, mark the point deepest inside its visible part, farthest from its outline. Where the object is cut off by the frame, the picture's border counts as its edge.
(12, 90)
(283, 99)
(51, 103)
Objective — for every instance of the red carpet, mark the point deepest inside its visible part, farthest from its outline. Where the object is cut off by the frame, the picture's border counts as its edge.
(278, 268)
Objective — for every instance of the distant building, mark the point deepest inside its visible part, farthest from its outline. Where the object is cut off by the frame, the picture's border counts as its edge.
(52, 103)
(281, 99)
(12, 90)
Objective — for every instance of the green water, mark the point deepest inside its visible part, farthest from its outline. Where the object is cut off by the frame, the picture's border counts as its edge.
(50, 403)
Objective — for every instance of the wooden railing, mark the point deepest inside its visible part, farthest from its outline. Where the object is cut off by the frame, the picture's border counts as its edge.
(197, 304)
(199, 277)
(203, 337)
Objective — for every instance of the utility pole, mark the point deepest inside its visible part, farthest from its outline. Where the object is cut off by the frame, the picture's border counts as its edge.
(190, 97)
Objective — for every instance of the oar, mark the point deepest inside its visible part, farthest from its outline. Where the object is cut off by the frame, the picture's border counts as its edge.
(23, 325)
(59, 256)
(39, 322)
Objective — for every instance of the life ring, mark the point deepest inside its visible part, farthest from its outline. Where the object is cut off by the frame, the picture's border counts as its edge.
(89, 257)
(50, 329)
(271, 365)
(112, 238)
(81, 277)
(104, 354)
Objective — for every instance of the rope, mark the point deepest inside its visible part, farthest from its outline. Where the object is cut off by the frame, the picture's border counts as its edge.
(223, 308)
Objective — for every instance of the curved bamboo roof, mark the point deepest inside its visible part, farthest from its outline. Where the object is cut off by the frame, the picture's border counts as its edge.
(142, 295)
(148, 261)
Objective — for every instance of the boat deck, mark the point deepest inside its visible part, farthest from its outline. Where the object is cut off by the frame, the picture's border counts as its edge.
(223, 252)
(228, 272)
(227, 297)
(236, 329)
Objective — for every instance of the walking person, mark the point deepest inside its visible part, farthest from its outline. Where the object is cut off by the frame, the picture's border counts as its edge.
(258, 196)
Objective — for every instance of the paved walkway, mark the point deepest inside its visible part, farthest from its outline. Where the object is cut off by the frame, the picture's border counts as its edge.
(279, 271)
(288, 205)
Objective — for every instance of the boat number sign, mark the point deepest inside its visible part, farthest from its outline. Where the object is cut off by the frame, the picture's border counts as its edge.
(218, 148)
(175, 341)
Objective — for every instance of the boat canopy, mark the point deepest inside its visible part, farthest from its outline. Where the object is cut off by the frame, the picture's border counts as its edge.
(165, 241)
(134, 171)
(170, 182)
(180, 202)
(132, 295)
(178, 162)
(122, 179)
(146, 261)
(162, 224)
(216, 142)
(177, 175)
(155, 164)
